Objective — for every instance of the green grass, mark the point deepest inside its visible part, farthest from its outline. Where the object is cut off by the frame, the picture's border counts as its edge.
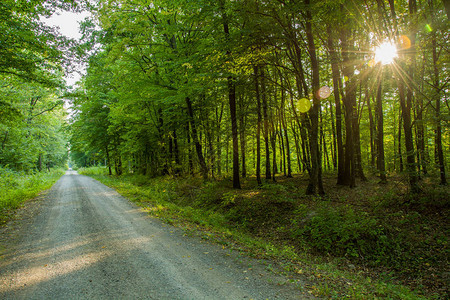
(18, 187)
(345, 251)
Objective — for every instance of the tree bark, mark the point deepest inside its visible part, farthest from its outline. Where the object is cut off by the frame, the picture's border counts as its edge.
(438, 141)
(258, 127)
(380, 132)
(232, 104)
(198, 147)
(315, 184)
(371, 132)
(284, 134)
(265, 122)
(349, 104)
(243, 139)
(336, 78)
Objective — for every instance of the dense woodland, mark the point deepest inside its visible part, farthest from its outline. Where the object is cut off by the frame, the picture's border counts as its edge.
(32, 62)
(226, 112)
(265, 88)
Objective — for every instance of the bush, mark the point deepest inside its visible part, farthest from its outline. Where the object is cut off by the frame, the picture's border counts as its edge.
(93, 171)
(343, 232)
(18, 187)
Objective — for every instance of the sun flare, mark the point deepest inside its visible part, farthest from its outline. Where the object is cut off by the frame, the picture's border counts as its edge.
(385, 53)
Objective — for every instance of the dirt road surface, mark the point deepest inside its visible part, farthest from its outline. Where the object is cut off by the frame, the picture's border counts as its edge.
(84, 241)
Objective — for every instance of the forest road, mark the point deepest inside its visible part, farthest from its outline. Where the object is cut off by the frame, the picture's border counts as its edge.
(82, 240)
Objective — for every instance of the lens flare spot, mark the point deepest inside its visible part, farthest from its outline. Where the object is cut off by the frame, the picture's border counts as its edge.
(324, 92)
(404, 41)
(303, 105)
(385, 53)
(371, 63)
(428, 28)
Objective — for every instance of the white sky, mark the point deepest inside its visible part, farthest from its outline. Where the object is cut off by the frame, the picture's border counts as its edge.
(68, 24)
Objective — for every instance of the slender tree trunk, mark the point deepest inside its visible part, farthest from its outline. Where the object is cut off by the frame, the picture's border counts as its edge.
(232, 104)
(409, 145)
(190, 159)
(336, 86)
(357, 137)
(438, 140)
(219, 143)
(285, 134)
(371, 132)
(209, 138)
(273, 141)
(258, 127)
(297, 147)
(243, 139)
(380, 132)
(265, 122)
(281, 145)
(333, 134)
(198, 146)
(234, 132)
(350, 105)
(315, 184)
(400, 155)
(108, 161)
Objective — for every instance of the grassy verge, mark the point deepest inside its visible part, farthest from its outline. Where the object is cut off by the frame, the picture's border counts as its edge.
(364, 243)
(17, 187)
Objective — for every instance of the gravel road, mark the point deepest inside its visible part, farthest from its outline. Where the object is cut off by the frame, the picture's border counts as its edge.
(82, 240)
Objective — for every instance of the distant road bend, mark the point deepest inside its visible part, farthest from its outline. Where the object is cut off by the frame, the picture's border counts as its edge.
(84, 241)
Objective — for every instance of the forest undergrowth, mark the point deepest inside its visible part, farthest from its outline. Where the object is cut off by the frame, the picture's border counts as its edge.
(17, 187)
(372, 241)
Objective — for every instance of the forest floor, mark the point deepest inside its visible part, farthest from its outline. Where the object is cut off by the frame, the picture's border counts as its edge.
(364, 242)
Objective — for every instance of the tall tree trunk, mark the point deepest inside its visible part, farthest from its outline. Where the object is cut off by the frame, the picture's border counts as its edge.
(232, 104)
(234, 131)
(265, 122)
(198, 146)
(315, 184)
(284, 133)
(219, 143)
(258, 127)
(336, 86)
(371, 132)
(400, 155)
(109, 161)
(281, 145)
(190, 159)
(243, 139)
(297, 147)
(350, 105)
(357, 138)
(273, 142)
(333, 135)
(438, 140)
(406, 100)
(209, 141)
(380, 131)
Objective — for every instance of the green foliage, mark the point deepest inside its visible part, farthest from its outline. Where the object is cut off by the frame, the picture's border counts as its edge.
(343, 232)
(32, 132)
(28, 49)
(18, 187)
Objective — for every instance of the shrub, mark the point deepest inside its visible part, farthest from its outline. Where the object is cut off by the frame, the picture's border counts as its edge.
(343, 232)
(17, 187)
